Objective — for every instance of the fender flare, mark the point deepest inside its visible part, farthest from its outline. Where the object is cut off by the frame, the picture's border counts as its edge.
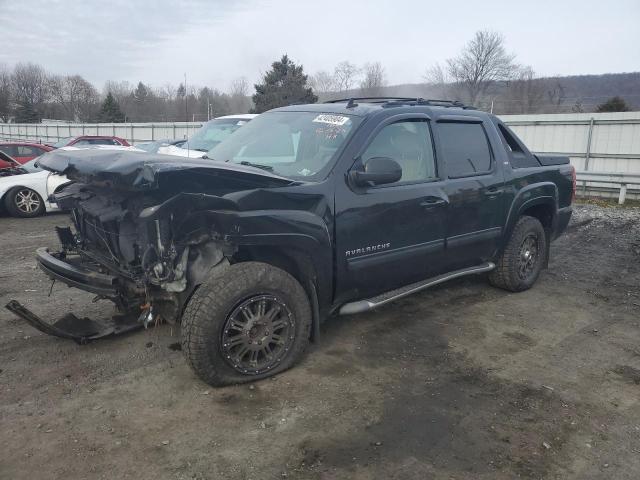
(542, 193)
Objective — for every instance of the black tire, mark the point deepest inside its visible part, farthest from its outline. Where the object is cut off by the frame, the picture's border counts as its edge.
(213, 332)
(23, 202)
(523, 258)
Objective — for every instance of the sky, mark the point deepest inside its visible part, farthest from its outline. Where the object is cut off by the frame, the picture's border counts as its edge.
(216, 41)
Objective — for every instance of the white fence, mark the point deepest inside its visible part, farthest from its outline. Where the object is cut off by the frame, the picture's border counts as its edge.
(132, 132)
(595, 142)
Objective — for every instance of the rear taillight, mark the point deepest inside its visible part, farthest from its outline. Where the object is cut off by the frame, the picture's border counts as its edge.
(573, 182)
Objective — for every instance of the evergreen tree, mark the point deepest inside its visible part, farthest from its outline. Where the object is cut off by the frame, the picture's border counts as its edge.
(614, 104)
(26, 113)
(141, 93)
(110, 111)
(283, 85)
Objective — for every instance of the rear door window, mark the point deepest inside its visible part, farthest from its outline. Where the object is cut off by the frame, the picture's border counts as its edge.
(27, 151)
(465, 149)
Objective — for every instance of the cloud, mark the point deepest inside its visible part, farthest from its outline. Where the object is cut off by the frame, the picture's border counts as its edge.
(216, 41)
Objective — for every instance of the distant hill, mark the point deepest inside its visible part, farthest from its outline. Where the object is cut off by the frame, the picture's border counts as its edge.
(578, 92)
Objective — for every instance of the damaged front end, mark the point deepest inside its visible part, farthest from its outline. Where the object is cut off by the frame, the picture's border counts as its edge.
(139, 237)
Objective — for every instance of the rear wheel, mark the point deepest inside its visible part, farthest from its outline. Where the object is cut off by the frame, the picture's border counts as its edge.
(23, 202)
(250, 321)
(523, 258)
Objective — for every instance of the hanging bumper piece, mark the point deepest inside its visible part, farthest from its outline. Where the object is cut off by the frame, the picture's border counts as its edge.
(81, 330)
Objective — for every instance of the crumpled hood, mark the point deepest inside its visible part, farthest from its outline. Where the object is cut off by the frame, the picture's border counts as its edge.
(145, 171)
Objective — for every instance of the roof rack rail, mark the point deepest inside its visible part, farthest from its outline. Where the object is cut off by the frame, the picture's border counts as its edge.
(372, 99)
(395, 101)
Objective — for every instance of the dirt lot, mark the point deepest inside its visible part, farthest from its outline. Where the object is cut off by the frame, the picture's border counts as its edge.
(461, 382)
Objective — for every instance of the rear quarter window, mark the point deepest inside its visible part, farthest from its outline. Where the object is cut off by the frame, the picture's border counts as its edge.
(518, 158)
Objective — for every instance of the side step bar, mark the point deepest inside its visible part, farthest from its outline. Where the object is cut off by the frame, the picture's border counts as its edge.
(379, 300)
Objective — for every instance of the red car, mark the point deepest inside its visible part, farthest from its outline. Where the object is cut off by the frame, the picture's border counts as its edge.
(84, 140)
(22, 152)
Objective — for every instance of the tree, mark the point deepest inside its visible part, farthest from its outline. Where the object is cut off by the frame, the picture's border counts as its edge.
(239, 101)
(110, 110)
(555, 92)
(323, 82)
(482, 62)
(31, 88)
(614, 104)
(345, 75)
(5, 94)
(76, 96)
(437, 80)
(283, 85)
(144, 104)
(373, 80)
(524, 93)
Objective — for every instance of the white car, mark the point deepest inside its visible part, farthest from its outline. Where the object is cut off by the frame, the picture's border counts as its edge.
(208, 136)
(27, 194)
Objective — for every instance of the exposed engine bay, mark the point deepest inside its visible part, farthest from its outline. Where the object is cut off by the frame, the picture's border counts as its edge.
(140, 238)
(155, 257)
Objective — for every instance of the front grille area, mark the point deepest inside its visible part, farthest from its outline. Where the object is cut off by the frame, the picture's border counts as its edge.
(99, 236)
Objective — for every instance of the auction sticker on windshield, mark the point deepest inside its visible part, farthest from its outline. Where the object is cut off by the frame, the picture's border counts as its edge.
(331, 119)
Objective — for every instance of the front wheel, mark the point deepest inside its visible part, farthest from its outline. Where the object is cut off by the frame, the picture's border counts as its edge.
(24, 202)
(523, 258)
(250, 321)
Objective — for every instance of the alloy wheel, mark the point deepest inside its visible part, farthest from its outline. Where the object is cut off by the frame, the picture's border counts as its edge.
(27, 201)
(258, 334)
(528, 256)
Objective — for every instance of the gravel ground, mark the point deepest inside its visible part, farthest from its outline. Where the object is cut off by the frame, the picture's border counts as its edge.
(463, 381)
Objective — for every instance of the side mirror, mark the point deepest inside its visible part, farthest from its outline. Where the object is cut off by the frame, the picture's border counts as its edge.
(377, 171)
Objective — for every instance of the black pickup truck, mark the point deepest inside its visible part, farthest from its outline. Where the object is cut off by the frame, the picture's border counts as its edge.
(307, 212)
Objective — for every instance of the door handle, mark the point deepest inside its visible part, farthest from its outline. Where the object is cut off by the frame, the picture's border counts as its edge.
(492, 192)
(432, 202)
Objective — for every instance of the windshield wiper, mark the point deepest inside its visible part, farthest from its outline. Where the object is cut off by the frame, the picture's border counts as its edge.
(268, 168)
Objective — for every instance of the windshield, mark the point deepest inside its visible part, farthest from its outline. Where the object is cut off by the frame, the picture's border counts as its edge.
(62, 142)
(212, 133)
(290, 144)
(32, 165)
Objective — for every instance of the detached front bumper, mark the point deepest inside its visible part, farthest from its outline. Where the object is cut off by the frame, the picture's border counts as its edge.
(71, 272)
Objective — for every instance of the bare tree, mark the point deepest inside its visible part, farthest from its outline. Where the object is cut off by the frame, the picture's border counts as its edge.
(323, 82)
(345, 75)
(239, 100)
(5, 94)
(439, 82)
(482, 62)
(556, 93)
(168, 92)
(77, 97)
(30, 85)
(239, 87)
(524, 93)
(374, 79)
